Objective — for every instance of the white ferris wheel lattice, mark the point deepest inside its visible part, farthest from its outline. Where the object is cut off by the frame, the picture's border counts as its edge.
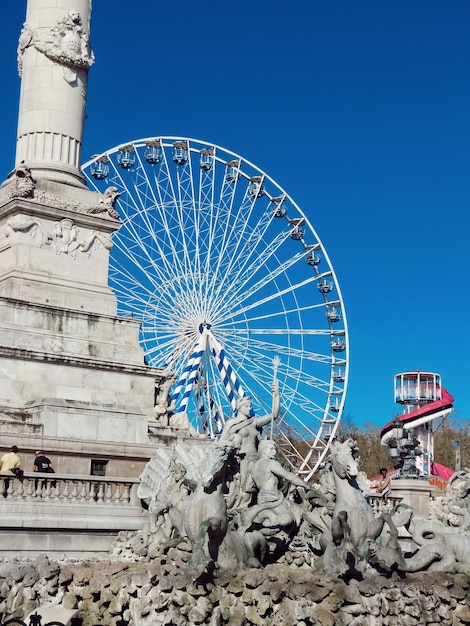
(225, 273)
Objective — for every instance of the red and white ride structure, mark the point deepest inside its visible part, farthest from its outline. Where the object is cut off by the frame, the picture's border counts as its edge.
(409, 438)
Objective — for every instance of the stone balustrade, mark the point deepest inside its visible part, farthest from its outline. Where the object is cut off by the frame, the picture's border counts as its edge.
(384, 505)
(65, 514)
(59, 488)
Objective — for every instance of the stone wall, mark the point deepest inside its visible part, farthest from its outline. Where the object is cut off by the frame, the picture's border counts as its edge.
(165, 592)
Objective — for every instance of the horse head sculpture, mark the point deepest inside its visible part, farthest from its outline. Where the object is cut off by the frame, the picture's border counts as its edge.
(342, 457)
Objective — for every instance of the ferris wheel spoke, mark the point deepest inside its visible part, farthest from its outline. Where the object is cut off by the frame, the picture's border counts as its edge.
(283, 313)
(291, 289)
(236, 302)
(206, 202)
(270, 348)
(243, 287)
(247, 245)
(139, 294)
(166, 210)
(222, 231)
(130, 245)
(291, 373)
(142, 263)
(187, 216)
(234, 229)
(290, 332)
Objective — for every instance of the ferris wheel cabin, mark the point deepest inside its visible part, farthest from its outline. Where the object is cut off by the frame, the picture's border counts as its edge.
(409, 438)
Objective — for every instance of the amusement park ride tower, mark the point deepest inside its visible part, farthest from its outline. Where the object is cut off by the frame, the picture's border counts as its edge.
(409, 439)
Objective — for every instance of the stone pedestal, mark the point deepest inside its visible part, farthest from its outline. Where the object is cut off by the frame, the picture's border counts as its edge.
(415, 492)
(70, 367)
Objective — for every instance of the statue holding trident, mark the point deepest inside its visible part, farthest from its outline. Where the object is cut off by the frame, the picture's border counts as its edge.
(244, 432)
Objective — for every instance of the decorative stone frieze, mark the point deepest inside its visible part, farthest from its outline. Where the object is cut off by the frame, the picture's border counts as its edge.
(24, 187)
(64, 238)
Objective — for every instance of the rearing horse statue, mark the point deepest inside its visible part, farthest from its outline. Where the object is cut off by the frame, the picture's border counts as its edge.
(205, 510)
(353, 518)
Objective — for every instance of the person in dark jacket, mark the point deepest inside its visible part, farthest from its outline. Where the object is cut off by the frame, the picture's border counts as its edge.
(44, 465)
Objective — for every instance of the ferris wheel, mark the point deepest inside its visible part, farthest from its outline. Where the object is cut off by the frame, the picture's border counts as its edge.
(226, 273)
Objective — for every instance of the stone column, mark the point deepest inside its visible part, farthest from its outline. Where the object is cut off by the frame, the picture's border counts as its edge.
(54, 57)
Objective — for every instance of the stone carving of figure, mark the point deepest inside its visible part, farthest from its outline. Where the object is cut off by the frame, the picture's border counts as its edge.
(107, 202)
(164, 405)
(165, 507)
(245, 433)
(65, 236)
(25, 40)
(23, 183)
(267, 474)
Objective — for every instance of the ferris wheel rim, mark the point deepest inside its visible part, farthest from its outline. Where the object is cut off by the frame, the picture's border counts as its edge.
(192, 143)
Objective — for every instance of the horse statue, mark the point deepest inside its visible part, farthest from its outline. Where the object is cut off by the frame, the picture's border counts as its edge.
(204, 510)
(206, 519)
(354, 523)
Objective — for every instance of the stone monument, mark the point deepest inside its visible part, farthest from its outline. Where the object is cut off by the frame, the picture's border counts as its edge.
(71, 369)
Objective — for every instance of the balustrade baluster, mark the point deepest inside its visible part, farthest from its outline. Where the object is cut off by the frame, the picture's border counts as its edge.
(99, 490)
(74, 495)
(10, 488)
(64, 496)
(93, 493)
(19, 490)
(55, 490)
(47, 489)
(126, 494)
(84, 495)
(29, 491)
(117, 493)
(109, 493)
(39, 489)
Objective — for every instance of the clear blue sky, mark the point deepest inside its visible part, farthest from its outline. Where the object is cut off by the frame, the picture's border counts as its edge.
(360, 110)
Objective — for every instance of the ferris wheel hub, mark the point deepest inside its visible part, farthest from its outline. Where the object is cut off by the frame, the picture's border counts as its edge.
(204, 325)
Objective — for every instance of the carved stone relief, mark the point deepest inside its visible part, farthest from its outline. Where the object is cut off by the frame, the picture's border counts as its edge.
(23, 183)
(65, 237)
(65, 43)
(107, 202)
(24, 187)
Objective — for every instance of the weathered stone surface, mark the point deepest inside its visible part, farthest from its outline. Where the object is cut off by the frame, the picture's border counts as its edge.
(323, 616)
(276, 591)
(254, 578)
(235, 586)
(242, 599)
(348, 593)
(253, 616)
(462, 612)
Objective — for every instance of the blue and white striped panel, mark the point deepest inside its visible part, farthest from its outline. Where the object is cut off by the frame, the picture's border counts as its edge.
(232, 385)
(188, 375)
